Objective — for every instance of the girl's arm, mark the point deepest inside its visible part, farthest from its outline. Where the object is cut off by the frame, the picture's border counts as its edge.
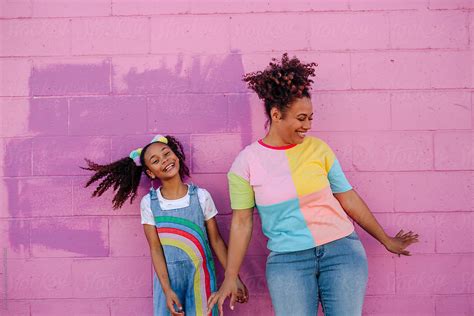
(159, 264)
(215, 239)
(240, 234)
(356, 208)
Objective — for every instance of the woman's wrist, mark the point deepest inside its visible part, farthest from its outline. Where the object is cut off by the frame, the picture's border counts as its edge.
(385, 239)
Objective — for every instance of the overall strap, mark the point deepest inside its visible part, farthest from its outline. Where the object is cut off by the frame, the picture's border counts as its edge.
(194, 200)
(153, 195)
(192, 190)
(154, 202)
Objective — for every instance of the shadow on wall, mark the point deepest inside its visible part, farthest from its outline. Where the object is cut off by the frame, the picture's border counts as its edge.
(101, 110)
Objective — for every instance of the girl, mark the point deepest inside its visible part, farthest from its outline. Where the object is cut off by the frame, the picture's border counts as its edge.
(176, 217)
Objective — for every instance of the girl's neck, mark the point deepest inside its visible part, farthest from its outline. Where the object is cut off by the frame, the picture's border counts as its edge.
(173, 189)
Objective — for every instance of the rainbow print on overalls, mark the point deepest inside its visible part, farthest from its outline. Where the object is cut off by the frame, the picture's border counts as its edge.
(183, 236)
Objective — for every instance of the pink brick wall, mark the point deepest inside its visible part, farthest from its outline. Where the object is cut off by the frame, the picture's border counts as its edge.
(393, 97)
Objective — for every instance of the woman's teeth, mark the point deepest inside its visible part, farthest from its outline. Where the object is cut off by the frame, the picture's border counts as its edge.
(301, 134)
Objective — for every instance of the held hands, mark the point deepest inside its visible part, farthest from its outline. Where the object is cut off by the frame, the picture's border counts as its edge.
(401, 240)
(242, 292)
(172, 300)
(233, 287)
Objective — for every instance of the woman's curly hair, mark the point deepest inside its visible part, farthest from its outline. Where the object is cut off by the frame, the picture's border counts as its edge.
(281, 83)
(124, 175)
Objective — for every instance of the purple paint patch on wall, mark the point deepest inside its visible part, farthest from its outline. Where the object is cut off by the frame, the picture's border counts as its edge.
(73, 237)
(70, 79)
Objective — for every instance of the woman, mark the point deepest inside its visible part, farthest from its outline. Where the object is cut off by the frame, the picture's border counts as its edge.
(305, 203)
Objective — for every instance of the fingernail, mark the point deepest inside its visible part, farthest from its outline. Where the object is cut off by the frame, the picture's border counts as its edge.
(232, 307)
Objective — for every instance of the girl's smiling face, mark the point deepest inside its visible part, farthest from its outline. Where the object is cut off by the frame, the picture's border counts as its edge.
(161, 162)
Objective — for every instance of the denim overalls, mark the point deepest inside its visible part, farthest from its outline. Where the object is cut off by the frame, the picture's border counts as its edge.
(188, 256)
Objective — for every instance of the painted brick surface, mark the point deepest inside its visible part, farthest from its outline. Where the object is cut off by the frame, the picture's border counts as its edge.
(392, 97)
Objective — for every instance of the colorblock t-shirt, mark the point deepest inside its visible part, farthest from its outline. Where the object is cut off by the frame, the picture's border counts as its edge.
(292, 188)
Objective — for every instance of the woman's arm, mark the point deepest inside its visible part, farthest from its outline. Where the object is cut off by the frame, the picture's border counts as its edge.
(220, 249)
(356, 208)
(159, 264)
(240, 234)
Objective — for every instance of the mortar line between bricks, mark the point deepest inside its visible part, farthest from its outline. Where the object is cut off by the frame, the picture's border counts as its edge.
(275, 52)
(472, 108)
(32, 156)
(28, 222)
(68, 116)
(5, 276)
(451, 9)
(433, 155)
(229, 32)
(111, 92)
(435, 231)
(147, 127)
(391, 110)
(149, 36)
(469, 33)
(109, 254)
(309, 33)
(225, 133)
(471, 27)
(110, 148)
(350, 72)
(389, 19)
(329, 11)
(70, 40)
(243, 93)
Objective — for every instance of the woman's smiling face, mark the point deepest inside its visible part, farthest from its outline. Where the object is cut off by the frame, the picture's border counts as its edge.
(293, 125)
(161, 161)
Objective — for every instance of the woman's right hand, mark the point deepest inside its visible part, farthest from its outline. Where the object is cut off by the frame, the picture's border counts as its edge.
(230, 287)
(172, 300)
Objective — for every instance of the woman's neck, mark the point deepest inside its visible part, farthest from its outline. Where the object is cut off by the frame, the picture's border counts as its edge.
(273, 138)
(173, 189)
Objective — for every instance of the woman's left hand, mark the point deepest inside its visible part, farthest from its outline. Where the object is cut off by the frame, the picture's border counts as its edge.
(401, 240)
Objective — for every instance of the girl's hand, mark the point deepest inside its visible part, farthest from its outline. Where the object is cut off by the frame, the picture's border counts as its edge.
(243, 292)
(230, 287)
(172, 300)
(398, 243)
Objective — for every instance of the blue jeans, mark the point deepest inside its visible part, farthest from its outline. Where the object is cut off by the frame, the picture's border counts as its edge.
(335, 273)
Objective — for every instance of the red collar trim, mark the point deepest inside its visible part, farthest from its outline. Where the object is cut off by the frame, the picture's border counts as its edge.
(260, 141)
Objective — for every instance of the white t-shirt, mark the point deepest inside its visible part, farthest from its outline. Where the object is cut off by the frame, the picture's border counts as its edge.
(205, 200)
